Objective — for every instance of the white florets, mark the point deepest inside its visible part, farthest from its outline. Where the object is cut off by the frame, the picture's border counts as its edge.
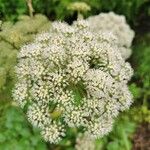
(117, 25)
(38, 115)
(53, 133)
(72, 77)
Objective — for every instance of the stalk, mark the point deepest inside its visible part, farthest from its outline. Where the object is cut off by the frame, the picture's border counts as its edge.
(30, 7)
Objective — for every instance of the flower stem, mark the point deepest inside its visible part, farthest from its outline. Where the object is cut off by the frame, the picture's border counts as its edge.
(30, 7)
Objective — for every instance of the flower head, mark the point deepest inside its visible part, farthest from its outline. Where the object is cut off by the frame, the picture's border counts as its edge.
(72, 77)
(117, 25)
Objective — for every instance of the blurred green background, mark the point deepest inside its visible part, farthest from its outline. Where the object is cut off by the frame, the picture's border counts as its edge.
(17, 28)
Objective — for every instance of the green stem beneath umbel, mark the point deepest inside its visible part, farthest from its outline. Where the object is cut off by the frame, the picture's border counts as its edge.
(80, 16)
(30, 7)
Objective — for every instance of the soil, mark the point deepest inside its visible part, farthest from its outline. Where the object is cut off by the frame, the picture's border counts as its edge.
(141, 139)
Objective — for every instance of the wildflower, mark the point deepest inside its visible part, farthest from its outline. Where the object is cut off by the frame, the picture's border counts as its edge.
(72, 77)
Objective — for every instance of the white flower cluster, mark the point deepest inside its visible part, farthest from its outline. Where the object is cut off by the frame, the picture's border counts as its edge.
(117, 25)
(71, 77)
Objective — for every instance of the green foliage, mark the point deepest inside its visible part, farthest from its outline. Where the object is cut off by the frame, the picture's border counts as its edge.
(15, 132)
(141, 60)
(140, 86)
(130, 8)
(54, 9)
(57, 9)
(11, 9)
